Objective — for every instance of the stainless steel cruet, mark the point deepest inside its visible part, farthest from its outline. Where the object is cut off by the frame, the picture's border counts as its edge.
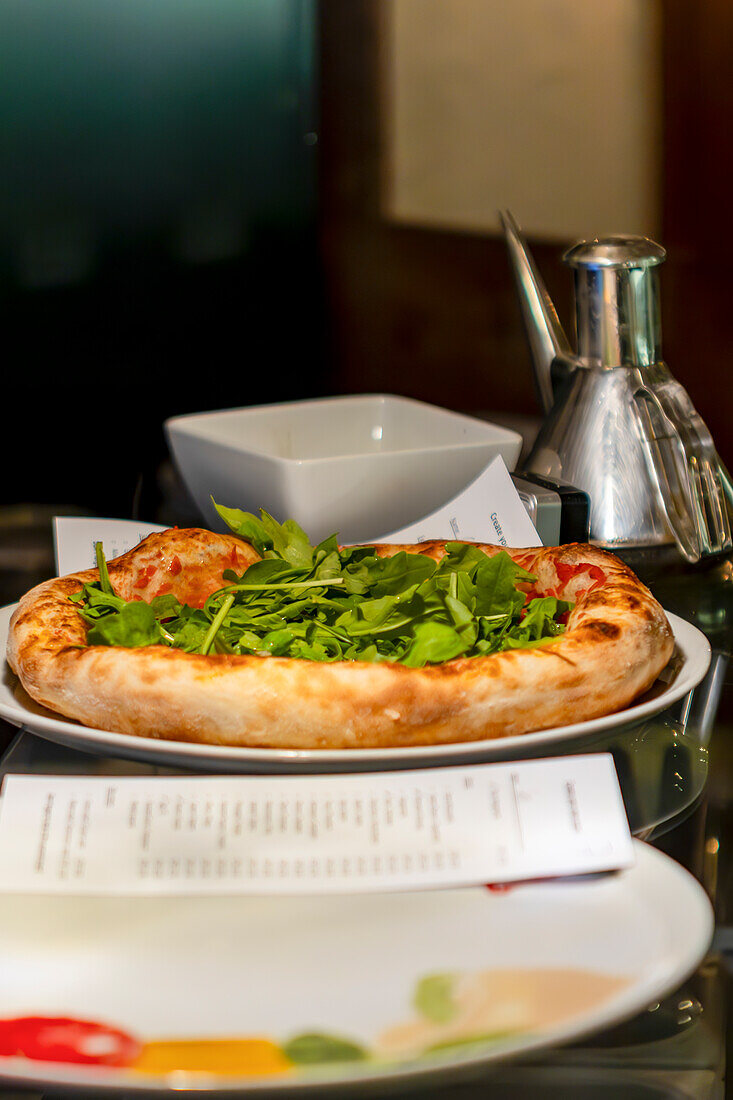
(617, 424)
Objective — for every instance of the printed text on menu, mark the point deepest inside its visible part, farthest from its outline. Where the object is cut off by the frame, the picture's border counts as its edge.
(312, 834)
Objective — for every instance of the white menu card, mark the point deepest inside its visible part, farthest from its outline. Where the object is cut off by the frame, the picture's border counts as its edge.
(75, 538)
(489, 510)
(489, 823)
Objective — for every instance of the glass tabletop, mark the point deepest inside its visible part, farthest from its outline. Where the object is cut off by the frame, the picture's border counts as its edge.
(676, 777)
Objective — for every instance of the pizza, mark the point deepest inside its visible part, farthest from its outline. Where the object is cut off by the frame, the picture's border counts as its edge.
(606, 645)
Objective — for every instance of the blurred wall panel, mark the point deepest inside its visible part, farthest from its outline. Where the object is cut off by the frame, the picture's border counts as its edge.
(551, 107)
(157, 224)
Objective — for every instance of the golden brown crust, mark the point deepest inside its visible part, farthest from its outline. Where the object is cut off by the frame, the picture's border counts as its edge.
(617, 641)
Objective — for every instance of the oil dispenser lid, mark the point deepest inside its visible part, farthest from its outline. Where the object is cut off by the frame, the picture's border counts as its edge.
(615, 252)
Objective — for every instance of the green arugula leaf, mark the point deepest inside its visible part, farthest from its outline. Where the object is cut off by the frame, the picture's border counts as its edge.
(246, 526)
(540, 617)
(401, 572)
(496, 580)
(433, 643)
(134, 625)
(288, 540)
(104, 582)
(95, 603)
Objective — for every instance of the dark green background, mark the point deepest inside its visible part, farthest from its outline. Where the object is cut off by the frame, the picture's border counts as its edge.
(157, 229)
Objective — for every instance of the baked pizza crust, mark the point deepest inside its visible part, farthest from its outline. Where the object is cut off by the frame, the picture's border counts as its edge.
(617, 641)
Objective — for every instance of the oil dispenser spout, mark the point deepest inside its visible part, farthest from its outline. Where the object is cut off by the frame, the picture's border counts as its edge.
(549, 347)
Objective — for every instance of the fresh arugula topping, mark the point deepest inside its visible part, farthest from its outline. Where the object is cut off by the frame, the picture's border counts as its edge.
(104, 582)
(322, 603)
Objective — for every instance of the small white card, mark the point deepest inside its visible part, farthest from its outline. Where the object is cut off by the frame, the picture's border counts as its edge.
(488, 510)
(432, 828)
(75, 536)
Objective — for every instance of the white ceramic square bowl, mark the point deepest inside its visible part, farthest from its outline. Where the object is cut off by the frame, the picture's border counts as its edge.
(360, 466)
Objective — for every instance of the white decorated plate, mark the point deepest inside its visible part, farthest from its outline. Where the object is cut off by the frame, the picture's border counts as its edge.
(264, 994)
(687, 668)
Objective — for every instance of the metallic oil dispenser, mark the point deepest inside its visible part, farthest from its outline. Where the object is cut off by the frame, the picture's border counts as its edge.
(617, 425)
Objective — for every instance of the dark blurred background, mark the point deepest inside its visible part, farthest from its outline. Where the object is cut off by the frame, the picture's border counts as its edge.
(158, 248)
(227, 203)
